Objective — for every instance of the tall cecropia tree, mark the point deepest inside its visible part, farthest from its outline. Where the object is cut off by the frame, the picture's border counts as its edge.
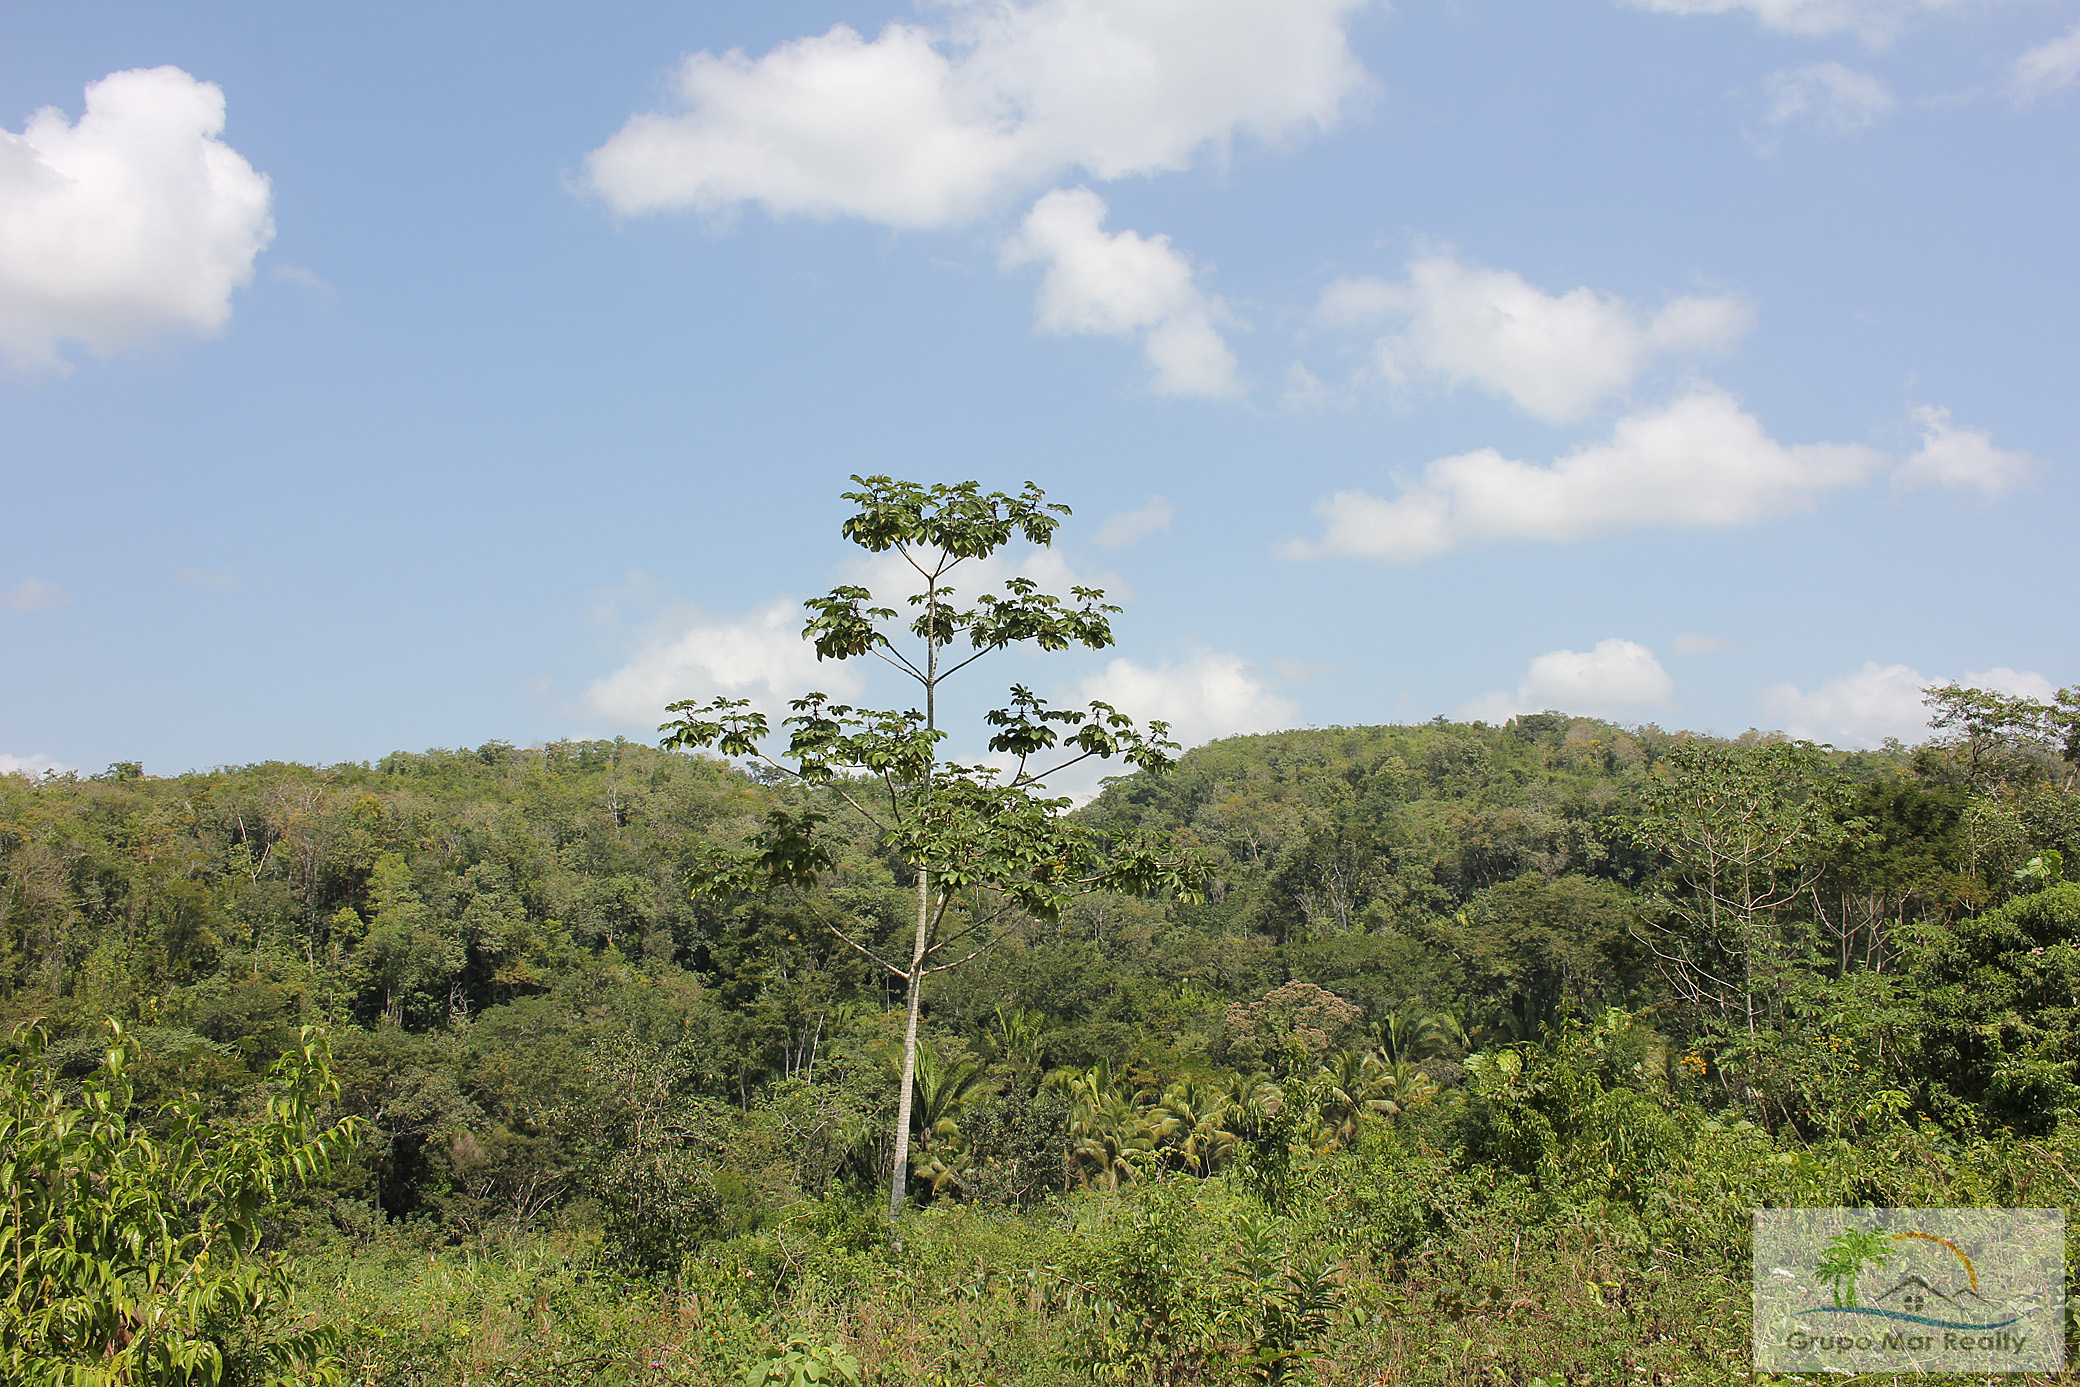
(983, 845)
(1747, 831)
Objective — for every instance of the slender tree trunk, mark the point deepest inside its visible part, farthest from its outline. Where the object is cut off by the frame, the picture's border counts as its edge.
(899, 1170)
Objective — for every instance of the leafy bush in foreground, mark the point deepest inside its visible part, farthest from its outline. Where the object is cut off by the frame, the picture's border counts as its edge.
(134, 1256)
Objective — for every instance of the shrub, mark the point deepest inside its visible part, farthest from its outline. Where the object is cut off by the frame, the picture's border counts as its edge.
(134, 1256)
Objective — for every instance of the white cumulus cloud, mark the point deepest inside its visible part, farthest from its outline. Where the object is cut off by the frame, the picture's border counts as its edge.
(133, 222)
(34, 767)
(1879, 701)
(1828, 96)
(1555, 355)
(1212, 694)
(1127, 286)
(1860, 709)
(1128, 526)
(1698, 463)
(1616, 678)
(2051, 66)
(2018, 683)
(1960, 459)
(759, 656)
(935, 125)
(1873, 21)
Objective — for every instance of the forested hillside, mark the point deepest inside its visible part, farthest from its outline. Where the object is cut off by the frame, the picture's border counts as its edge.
(1467, 1067)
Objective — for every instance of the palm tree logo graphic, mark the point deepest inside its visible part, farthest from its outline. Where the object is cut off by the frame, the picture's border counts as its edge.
(1845, 1256)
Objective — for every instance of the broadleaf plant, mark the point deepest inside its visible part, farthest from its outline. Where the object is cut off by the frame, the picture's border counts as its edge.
(133, 1253)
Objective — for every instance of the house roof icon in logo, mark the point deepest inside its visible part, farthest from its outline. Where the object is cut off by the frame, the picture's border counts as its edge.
(1913, 1293)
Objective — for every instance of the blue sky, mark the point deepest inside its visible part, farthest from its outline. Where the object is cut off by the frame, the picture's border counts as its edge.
(412, 376)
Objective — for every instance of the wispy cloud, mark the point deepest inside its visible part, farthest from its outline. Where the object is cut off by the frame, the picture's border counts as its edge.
(1129, 526)
(34, 767)
(2048, 68)
(759, 655)
(1873, 21)
(306, 278)
(1211, 694)
(206, 577)
(1700, 463)
(1829, 97)
(34, 594)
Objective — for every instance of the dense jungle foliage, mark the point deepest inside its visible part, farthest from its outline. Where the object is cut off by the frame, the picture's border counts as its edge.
(1469, 1068)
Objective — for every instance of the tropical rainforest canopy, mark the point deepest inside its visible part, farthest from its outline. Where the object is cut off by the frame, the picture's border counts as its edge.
(1466, 1064)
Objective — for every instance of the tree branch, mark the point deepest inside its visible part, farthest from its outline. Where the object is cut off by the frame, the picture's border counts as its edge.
(900, 661)
(1000, 938)
(981, 922)
(948, 673)
(898, 972)
(1024, 780)
(858, 808)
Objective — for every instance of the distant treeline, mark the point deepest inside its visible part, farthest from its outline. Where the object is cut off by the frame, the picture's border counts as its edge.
(478, 926)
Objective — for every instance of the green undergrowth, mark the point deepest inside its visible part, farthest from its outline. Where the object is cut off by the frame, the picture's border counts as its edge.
(1400, 1262)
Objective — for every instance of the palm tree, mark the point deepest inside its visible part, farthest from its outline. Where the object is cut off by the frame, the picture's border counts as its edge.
(1094, 1087)
(1248, 1102)
(1110, 1137)
(1404, 1081)
(1188, 1123)
(942, 1158)
(1354, 1087)
(1414, 1033)
(938, 1090)
(1526, 1021)
(1017, 1041)
(1109, 1140)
